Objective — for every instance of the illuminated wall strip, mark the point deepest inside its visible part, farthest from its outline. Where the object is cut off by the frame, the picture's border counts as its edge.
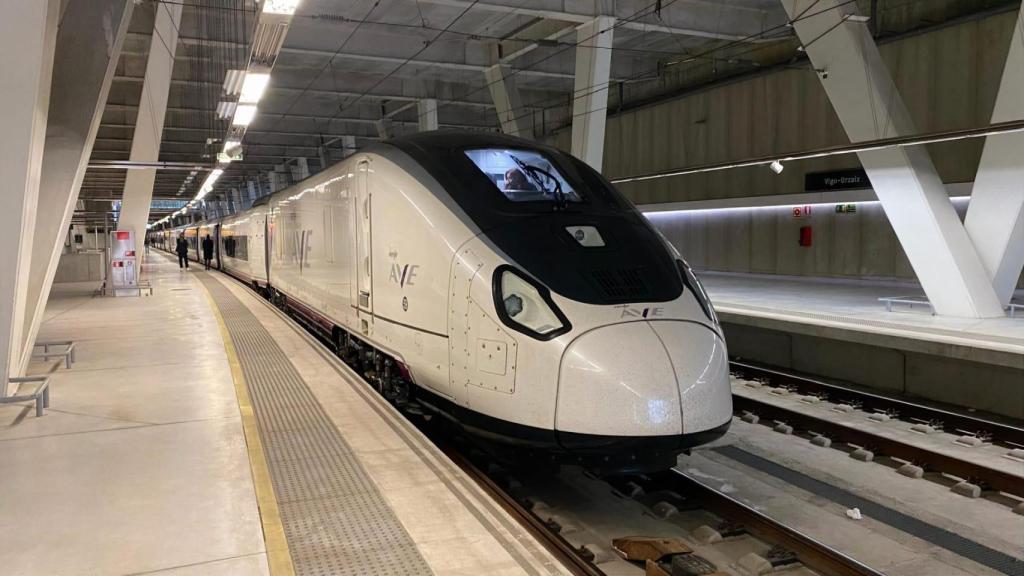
(881, 144)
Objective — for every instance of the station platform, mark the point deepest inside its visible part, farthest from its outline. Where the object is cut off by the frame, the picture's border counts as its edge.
(201, 432)
(840, 329)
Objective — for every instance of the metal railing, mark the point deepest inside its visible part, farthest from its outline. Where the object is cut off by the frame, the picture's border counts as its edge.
(910, 301)
(68, 351)
(41, 396)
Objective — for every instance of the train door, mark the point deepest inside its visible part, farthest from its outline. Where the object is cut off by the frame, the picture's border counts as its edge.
(364, 257)
(216, 244)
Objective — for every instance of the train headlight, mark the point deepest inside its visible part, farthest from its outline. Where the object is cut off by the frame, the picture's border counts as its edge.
(697, 289)
(526, 306)
(513, 305)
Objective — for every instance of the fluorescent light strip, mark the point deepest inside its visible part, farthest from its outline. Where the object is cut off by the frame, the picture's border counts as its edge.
(733, 209)
(244, 115)
(280, 6)
(253, 87)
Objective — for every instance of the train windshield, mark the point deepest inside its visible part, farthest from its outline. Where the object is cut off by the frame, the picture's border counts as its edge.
(523, 175)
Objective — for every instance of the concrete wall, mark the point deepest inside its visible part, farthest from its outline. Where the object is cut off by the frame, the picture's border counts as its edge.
(765, 241)
(948, 78)
(993, 388)
(80, 267)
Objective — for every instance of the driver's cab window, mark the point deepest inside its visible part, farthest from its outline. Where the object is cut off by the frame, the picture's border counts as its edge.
(523, 175)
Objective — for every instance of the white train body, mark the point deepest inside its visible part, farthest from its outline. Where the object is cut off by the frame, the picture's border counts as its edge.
(614, 356)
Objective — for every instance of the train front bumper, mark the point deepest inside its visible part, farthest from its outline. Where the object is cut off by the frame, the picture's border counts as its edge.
(656, 383)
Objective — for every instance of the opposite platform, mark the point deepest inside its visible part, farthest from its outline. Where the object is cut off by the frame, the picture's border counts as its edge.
(840, 329)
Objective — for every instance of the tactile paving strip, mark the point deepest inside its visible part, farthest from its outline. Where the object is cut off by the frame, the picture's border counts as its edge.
(335, 519)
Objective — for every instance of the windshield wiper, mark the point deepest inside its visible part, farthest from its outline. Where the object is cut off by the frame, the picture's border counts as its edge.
(535, 173)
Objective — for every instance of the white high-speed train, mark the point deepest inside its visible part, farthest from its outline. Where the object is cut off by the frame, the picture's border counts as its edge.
(500, 283)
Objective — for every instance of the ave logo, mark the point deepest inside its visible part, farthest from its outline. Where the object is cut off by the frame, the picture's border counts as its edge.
(636, 312)
(403, 275)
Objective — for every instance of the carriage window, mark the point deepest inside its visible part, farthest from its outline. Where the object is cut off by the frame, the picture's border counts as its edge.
(523, 175)
(236, 246)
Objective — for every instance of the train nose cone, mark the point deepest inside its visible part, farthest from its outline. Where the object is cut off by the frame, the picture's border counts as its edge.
(701, 365)
(643, 379)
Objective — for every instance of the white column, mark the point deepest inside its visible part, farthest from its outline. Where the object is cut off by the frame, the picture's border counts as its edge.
(28, 33)
(149, 123)
(348, 146)
(299, 170)
(914, 198)
(385, 128)
(427, 113)
(507, 103)
(253, 193)
(590, 93)
(995, 216)
(89, 39)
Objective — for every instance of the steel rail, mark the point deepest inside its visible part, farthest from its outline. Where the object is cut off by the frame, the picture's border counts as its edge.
(929, 460)
(816, 555)
(998, 432)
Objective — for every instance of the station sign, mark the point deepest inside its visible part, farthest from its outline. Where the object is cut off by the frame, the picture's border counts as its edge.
(854, 179)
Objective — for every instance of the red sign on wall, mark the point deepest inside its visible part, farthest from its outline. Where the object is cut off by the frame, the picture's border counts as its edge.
(801, 211)
(123, 235)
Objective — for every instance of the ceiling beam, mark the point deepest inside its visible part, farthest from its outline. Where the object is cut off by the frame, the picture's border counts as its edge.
(279, 88)
(580, 18)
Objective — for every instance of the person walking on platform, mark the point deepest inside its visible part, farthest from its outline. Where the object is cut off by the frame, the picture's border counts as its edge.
(181, 248)
(207, 251)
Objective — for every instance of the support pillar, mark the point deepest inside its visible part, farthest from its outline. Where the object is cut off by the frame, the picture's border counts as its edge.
(149, 123)
(590, 92)
(253, 192)
(299, 170)
(995, 216)
(867, 103)
(427, 113)
(89, 40)
(28, 33)
(325, 157)
(507, 103)
(348, 146)
(385, 128)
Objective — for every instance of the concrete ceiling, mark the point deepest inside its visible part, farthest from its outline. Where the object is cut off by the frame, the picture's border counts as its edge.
(345, 64)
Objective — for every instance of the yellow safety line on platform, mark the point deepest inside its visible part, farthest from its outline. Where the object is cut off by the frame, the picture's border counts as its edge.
(279, 557)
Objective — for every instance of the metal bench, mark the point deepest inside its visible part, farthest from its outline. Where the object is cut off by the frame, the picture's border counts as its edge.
(41, 396)
(1014, 307)
(68, 351)
(910, 301)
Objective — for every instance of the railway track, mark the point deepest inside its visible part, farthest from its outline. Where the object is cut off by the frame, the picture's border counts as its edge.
(996, 432)
(825, 429)
(791, 546)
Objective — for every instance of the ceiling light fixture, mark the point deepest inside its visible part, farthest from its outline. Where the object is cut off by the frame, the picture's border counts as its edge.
(233, 81)
(253, 87)
(280, 6)
(244, 115)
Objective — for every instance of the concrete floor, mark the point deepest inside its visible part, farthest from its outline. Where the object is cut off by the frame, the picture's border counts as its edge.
(855, 305)
(140, 464)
